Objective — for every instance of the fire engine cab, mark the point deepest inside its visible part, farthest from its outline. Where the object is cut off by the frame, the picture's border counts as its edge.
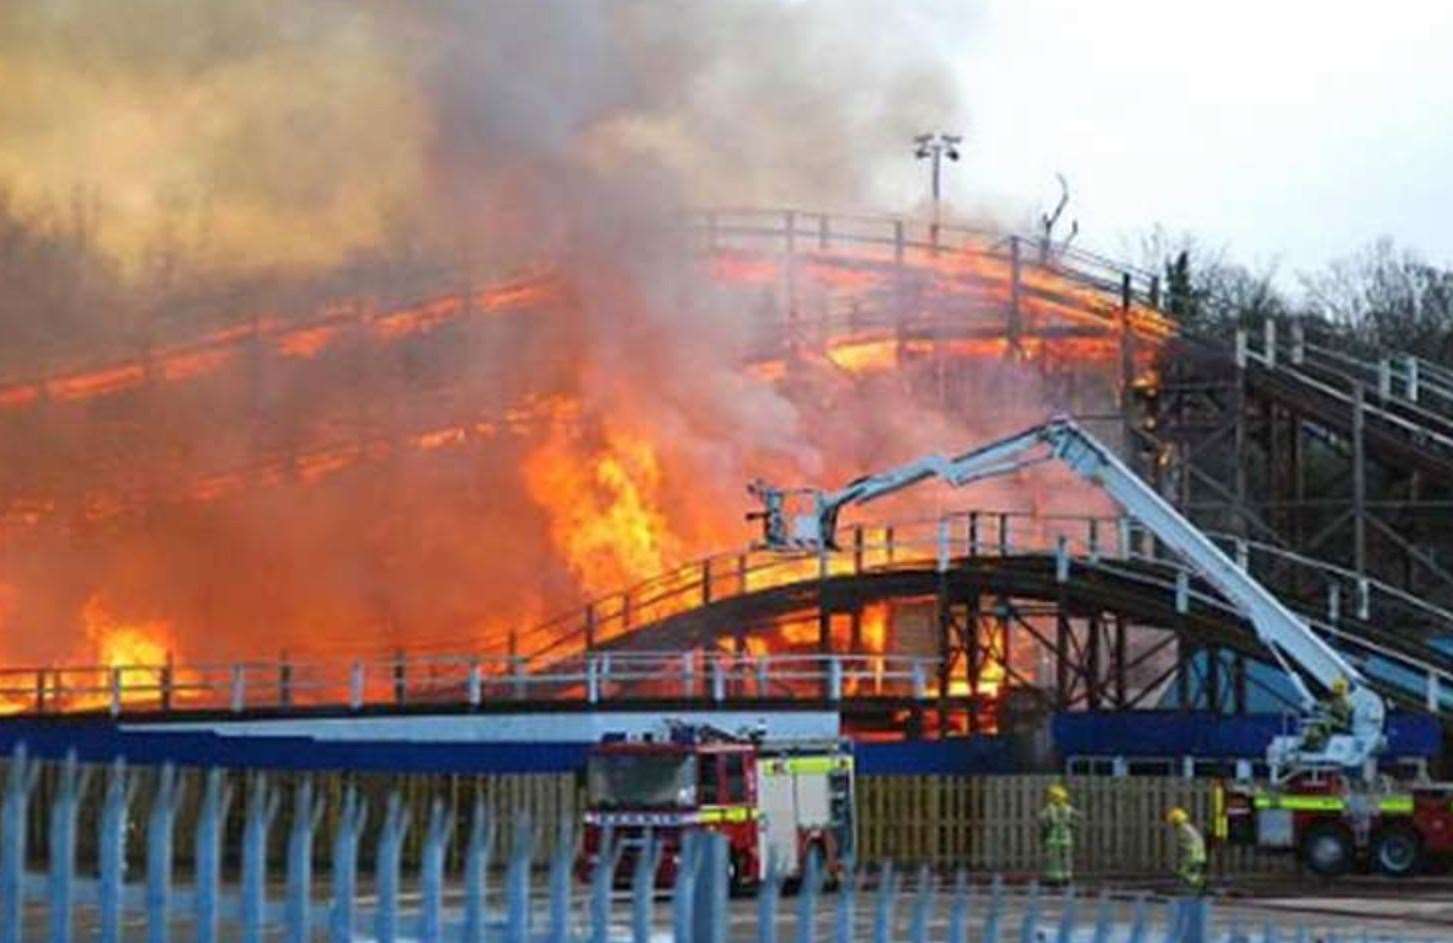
(782, 799)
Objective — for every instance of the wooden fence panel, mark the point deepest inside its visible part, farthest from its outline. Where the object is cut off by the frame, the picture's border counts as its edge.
(991, 823)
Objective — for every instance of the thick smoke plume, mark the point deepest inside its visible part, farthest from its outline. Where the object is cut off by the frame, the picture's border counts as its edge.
(198, 163)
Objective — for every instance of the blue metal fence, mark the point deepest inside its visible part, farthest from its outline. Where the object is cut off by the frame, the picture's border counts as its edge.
(514, 903)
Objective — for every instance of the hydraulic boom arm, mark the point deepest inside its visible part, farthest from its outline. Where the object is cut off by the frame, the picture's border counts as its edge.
(1287, 636)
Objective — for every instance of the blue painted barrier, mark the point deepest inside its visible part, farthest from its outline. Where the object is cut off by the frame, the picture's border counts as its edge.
(1202, 734)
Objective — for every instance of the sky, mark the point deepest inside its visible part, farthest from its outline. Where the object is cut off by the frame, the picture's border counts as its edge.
(1289, 133)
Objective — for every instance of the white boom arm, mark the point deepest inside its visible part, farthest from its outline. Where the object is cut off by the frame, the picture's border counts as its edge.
(1285, 634)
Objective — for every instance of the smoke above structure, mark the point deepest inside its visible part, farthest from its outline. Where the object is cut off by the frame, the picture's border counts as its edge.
(265, 133)
(215, 168)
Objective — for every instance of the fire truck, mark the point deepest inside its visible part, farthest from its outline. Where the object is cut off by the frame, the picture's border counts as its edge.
(1335, 823)
(1324, 798)
(778, 799)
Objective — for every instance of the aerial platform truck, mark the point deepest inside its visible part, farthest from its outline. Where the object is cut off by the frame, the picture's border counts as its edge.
(1324, 799)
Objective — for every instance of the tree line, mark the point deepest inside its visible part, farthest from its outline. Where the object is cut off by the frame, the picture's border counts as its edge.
(1381, 298)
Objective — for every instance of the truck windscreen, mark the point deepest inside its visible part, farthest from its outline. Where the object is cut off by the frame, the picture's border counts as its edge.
(624, 780)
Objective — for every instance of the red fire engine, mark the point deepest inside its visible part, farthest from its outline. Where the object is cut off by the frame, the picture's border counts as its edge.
(785, 799)
(1334, 823)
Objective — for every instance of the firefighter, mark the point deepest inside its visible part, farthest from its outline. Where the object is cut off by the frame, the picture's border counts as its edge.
(1339, 707)
(1334, 715)
(1190, 852)
(1057, 824)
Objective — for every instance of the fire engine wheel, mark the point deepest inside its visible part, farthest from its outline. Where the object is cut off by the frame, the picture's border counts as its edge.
(739, 882)
(1327, 850)
(1397, 851)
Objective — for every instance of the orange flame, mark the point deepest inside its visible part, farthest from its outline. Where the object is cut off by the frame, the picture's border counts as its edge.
(603, 502)
(119, 644)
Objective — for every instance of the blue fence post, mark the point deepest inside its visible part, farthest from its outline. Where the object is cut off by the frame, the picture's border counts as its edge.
(767, 897)
(709, 905)
(159, 855)
(517, 882)
(436, 841)
(386, 868)
(1029, 926)
(683, 888)
(211, 821)
(562, 863)
(1196, 920)
(958, 917)
(1236, 932)
(1268, 931)
(1067, 916)
(111, 849)
(307, 811)
(922, 905)
(1104, 917)
(807, 892)
(643, 886)
(262, 806)
(995, 913)
(1173, 915)
(18, 787)
(476, 871)
(72, 787)
(883, 904)
(844, 922)
(345, 866)
(602, 877)
(1139, 920)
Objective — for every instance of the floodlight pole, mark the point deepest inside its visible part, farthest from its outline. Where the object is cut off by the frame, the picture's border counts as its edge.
(934, 147)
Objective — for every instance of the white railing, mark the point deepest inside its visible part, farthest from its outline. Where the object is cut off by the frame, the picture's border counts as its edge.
(1403, 390)
(579, 664)
(458, 681)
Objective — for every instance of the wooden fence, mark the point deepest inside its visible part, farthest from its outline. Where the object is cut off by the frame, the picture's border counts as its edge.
(991, 823)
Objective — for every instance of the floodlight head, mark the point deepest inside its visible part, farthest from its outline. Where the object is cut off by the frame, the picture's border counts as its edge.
(922, 138)
(953, 154)
(921, 153)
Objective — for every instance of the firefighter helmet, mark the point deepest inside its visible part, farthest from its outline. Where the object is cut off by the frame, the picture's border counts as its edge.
(1339, 685)
(1057, 793)
(1177, 816)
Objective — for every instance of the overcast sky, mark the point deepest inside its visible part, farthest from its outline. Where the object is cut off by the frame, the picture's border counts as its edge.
(1286, 131)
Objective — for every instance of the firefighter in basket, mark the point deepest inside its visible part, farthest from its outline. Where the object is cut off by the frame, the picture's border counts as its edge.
(1058, 821)
(1333, 716)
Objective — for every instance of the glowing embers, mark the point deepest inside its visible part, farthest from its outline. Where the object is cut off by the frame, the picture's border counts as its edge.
(886, 650)
(306, 340)
(307, 343)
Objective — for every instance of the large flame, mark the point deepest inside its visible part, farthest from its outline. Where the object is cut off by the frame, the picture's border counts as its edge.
(601, 492)
(122, 644)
